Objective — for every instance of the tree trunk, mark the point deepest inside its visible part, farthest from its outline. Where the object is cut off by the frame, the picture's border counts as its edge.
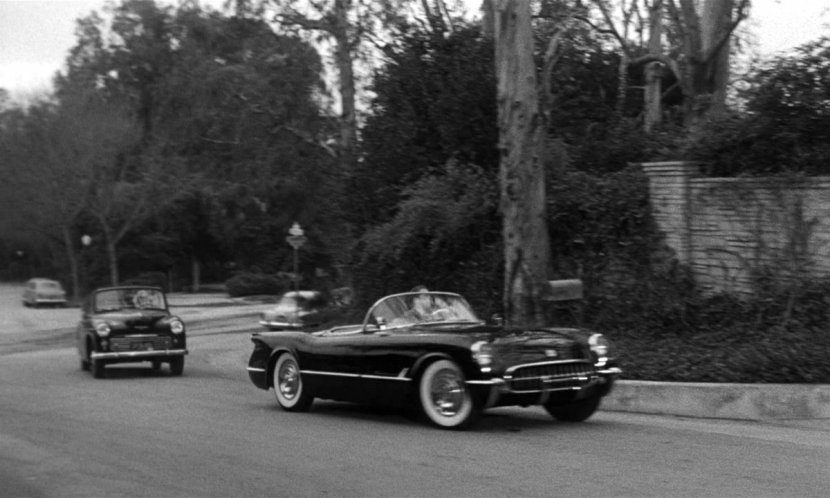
(112, 257)
(706, 51)
(346, 81)
(73, 264)
(522, 179)
(653, 70)
(196, 274)
(715, 22)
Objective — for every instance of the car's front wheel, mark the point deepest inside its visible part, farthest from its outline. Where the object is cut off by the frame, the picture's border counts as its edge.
(288, 385)
(576, 411)
(444, 398)
(177, 365)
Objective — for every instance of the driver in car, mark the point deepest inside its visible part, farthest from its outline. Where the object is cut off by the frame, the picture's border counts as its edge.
(426, 307)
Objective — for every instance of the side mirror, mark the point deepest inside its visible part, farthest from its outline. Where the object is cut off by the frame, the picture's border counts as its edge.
(497, 320)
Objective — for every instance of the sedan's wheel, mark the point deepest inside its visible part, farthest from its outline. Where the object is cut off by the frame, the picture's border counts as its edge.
(98, 369)
(444, 398)
(288, 385)
(577, 411)
(84, 364)
(177, 365)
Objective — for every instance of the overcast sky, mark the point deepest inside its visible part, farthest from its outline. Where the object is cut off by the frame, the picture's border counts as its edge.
(35, 35)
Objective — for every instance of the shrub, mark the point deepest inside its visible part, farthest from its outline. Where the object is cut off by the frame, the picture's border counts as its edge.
(154, 278)
(249, 284)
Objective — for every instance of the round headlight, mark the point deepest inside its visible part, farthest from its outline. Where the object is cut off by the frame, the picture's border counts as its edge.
(176, 326)
(482, 353)
(599, 345)
(103, 329)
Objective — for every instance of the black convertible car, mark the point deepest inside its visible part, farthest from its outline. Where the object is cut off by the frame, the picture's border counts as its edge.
(429, 349)
(130, 324)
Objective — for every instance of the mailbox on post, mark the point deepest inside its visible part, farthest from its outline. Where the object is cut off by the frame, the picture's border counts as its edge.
(566, 296)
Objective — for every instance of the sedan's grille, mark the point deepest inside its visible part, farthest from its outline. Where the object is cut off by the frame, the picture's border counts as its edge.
(544, 376)
(144, 343)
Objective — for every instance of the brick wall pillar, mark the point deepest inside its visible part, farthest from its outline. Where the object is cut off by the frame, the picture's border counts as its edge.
(668, 184)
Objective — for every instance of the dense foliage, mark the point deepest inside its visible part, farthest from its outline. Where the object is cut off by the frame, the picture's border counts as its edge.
(785, 123)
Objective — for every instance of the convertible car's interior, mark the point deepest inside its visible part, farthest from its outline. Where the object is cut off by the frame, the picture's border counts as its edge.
(411, 309)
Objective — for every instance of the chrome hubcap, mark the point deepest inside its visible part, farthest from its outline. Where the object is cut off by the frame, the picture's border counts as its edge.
(289, 380)
(447, 393)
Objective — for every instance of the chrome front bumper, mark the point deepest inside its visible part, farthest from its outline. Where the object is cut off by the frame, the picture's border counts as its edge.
(499, 388)
(137, 355)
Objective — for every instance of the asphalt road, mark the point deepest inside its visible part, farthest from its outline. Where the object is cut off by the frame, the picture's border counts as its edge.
(212, 433)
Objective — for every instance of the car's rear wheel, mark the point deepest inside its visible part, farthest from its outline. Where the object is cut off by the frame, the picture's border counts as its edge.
(576, 411)
(444, 398)
(99, 369)
(288, 385)
(177, 365)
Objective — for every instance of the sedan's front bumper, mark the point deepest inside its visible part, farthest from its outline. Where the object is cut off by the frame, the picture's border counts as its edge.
(137, 355)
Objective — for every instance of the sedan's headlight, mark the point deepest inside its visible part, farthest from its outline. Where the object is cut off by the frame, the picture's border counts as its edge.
(482, 353)
(103, 329)
(176, 326)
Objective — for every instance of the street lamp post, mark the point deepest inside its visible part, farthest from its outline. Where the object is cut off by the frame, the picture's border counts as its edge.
(86, 241)
(296, 239)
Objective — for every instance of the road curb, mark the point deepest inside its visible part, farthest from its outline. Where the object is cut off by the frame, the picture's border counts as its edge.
(729, 401)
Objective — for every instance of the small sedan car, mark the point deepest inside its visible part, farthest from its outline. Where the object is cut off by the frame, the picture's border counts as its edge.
(429, 349)
(130, 324)
(294, 310)
(43, 291)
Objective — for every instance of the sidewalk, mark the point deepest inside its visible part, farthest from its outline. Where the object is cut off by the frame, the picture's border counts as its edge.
(728, 401)
(704, 400)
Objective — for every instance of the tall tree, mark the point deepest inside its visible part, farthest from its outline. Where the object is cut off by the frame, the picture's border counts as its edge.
(54, 158)
(698, 34)
(522, 177)
(118, 64)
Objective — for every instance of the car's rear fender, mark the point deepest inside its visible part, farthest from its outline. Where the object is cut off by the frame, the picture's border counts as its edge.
(272, 362)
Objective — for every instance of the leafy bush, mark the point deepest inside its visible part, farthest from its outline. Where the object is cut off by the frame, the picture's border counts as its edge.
(770, 337)
(249, 284)
(155, 279)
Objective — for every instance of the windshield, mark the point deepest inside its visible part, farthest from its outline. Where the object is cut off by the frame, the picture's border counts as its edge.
(120, 299)
(419, 308)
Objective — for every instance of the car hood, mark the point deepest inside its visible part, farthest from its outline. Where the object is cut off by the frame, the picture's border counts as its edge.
(514, 346)
(133, 318)
(527, 346)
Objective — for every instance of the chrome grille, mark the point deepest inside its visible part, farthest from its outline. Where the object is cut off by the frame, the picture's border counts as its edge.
(139, 343)
(538, 377)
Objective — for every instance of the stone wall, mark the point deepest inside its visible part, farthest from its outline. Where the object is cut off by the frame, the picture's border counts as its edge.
(727, 230)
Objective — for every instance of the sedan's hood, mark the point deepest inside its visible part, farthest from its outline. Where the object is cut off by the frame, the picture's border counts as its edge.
(134, 318)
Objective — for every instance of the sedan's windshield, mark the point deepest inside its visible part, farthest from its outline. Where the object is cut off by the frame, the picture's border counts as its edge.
(120, 299)
(419, 308)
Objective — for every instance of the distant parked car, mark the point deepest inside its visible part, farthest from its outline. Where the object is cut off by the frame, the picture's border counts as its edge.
(43, 291)
(130, 324)
(295, 310)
